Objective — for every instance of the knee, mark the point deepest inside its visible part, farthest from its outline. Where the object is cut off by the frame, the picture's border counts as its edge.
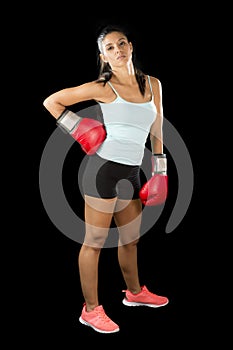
(133, 243)
(95, 237)
(88, 249)
(128, 245)
(129, 239)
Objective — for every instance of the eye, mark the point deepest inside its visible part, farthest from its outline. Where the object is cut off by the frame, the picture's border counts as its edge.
(122, 43)
(109, 48)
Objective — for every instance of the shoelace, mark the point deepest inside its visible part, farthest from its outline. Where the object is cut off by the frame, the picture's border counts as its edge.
(103, 316)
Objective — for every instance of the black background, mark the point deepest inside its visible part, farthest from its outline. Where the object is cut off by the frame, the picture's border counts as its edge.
(60, 51)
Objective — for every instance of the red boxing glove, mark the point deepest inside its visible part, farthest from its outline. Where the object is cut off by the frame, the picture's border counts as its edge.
(89, 133)
(154, 191)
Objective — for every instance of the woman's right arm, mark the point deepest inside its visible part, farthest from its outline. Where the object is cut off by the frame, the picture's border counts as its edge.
(88, 132)
(58, 101)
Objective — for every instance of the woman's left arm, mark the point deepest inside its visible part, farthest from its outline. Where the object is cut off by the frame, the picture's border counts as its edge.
(156, 131)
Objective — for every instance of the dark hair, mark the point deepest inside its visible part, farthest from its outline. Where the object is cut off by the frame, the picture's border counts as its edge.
(105, 72)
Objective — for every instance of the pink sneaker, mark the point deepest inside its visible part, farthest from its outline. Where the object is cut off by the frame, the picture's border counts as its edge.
(98, 320)
(144, 298)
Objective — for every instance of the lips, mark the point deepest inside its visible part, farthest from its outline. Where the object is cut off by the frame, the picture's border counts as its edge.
(121, 56)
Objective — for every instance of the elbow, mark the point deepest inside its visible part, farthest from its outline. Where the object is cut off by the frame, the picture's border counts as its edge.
(53, 106)
(47, 103)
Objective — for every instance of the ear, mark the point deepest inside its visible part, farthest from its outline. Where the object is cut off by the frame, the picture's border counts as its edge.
(102, 58)
(131, 46)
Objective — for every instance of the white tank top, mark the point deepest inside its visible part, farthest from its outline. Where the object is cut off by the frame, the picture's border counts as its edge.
(127, 126)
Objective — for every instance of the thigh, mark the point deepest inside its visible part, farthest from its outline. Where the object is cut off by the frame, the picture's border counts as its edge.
(128, 217)
(99, 211)
(98, 217)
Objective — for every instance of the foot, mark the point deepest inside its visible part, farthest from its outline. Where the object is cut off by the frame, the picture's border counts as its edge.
(144, 298)
(98, 320)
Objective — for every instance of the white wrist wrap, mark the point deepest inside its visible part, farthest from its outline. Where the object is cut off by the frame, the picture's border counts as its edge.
(68, 120)
(159, 164)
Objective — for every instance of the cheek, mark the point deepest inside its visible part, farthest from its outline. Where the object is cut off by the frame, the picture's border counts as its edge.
(105, 57)
(109, 56)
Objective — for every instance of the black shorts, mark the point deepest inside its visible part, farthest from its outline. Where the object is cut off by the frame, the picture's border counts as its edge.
(106, 179)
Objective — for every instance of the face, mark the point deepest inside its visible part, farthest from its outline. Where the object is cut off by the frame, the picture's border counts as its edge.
(116, 50)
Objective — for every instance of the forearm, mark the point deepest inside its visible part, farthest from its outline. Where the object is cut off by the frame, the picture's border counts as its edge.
(156, 145)
(156, 135)
(54, 107)
(60, 100)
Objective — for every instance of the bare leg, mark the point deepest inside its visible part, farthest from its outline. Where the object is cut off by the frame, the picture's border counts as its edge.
(128, 221)
(98, 216)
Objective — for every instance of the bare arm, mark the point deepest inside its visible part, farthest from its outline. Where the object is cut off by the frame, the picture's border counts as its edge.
(88, 132)
(154, 191)
(58, 101)
(156, 131)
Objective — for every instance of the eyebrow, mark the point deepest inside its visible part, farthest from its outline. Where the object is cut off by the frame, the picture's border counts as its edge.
(117, 40)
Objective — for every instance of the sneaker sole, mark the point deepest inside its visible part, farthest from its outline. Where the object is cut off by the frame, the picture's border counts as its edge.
(96, 329)
(132, 303)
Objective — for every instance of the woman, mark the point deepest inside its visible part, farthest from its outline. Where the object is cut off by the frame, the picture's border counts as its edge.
(131, 103)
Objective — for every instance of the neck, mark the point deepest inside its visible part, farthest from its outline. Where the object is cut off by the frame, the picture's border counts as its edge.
(124, 75)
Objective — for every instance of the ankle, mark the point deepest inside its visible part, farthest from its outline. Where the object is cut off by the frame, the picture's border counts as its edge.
(91, 307)
(135, 291)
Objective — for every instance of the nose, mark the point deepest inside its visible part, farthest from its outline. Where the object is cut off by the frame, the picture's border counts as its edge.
(117, 48)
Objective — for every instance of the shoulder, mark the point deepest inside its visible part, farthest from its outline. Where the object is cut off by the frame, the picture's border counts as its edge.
(157, 89)
(91, 90)
(155, 83)
(102, 91)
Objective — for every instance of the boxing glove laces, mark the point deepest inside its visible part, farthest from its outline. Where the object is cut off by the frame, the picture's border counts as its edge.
(154, 191)
(88, 132)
